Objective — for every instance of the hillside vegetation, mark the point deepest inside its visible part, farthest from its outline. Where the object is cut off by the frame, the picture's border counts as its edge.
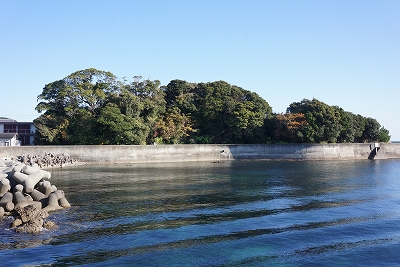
(95, 107)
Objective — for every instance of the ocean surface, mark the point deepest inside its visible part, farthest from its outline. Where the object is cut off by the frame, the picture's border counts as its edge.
(236, 213)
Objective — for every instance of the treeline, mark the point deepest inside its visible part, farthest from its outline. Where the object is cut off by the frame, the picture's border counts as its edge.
(95, 107)
(312, 121)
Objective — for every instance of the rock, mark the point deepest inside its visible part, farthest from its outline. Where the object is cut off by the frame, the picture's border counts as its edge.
(49, 225)
(30, 219)
(1, 212)
(17, 222)
(29, 212)
(33, 226)
(44, 214)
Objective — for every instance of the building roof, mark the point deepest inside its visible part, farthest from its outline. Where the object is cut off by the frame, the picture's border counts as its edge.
(7, 135)
(4, 119)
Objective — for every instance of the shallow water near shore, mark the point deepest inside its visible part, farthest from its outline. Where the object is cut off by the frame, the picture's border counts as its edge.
(236, 213)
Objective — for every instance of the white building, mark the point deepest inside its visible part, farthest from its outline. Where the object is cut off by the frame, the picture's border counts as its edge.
(13, 133)
(9, 139)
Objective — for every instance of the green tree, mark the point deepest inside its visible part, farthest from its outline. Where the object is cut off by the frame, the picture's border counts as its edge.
(383, 135)
(181, 94)
(353, 127)
(94, 107)
(118, 128)
(324, 121)
(359, 127)
(348, 132)
(74, 101)
(82, 89)
(152, 99)
(229, 114)
(51, 129)
(81, 128)
(333, 124)
(176, 125)
(121, 121)
(371, 131)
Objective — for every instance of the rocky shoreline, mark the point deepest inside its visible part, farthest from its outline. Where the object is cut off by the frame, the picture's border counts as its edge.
(26, 193)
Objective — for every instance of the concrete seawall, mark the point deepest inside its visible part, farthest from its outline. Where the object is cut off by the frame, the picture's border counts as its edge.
(176, 153)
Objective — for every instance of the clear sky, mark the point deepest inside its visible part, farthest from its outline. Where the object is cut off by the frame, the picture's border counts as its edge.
(344, 53)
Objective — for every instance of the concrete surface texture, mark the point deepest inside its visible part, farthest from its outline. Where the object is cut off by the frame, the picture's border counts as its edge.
(177, 153)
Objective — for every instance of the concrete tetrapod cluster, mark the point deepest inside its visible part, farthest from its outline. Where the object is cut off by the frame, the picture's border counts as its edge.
(47, 160)
(28, 196)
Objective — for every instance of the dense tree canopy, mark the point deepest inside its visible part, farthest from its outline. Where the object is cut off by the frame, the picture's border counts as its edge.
(324, 124)
(71, 106)
(323, 120)
(95, 107)
(229, 114)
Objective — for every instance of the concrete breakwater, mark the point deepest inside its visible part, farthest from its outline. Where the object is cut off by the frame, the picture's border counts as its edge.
(109, 154)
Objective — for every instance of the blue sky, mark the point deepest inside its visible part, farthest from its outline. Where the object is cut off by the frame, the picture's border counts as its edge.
(344, 53)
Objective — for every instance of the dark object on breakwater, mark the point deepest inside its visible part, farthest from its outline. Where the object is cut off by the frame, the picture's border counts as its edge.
(27, 195)
(374, 150)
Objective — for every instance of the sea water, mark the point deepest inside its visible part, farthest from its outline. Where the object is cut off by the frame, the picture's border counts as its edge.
(228, 213)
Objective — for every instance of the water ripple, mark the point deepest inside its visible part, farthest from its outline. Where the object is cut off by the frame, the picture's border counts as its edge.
(247, 214)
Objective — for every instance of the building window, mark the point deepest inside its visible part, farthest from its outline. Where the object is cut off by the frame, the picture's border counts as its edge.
(24, 128)
(10, 128)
